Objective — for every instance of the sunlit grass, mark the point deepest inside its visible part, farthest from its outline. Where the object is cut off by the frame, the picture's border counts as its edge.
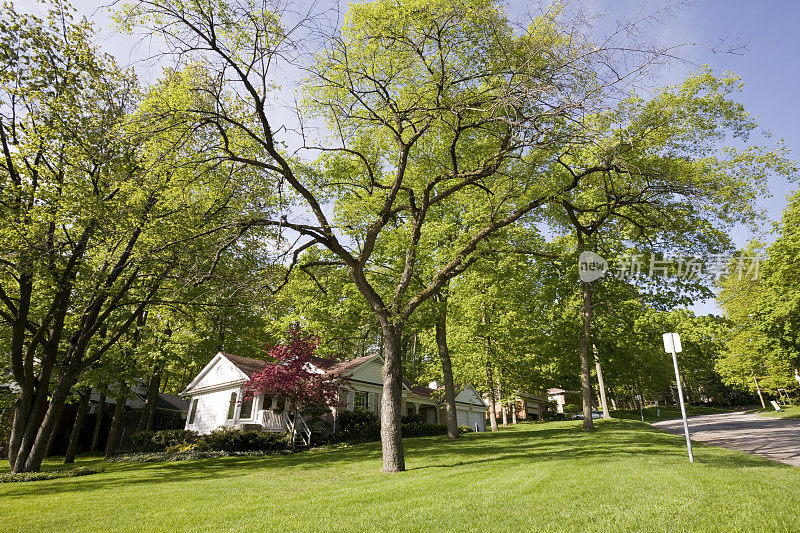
(654, 414)
(624, 476)
(788, 411)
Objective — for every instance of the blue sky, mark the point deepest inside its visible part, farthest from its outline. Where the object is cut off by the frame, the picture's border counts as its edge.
(769, 64)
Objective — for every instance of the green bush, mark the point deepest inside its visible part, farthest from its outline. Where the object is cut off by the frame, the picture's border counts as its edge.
(547, 416)
(465, 429)
(364, 426)
(9, 477)
(190, 455)
(158, 441)
(237, 440)
(357, 426)
(572, 409)
(422, 429)
(413, 419)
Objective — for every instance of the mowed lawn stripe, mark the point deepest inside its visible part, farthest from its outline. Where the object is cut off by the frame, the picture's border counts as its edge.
(625, 476)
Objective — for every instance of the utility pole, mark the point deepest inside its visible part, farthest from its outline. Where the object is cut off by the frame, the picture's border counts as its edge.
(758, 389)
(672, 343)
(601, 383)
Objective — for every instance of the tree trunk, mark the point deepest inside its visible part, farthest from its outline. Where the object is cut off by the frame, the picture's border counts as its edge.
(586, 380)
(447, 369)
(489, 374)
(33, 462)
(391, 399)
(72, 449)
(514, 411)
(98, 423)
(149, 409)
(503, 402)
(22, 411)
(119, 408)
(28, 419)
(490, 386)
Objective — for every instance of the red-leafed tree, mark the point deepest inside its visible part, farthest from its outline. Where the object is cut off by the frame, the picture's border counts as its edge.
(294, 376)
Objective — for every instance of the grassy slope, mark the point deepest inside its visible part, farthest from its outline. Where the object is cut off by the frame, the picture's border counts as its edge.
(789, 411)
(624, 476)
(667, 413)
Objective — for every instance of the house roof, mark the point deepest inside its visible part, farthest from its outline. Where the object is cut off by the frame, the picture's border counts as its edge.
(420, 390)
(171, 402)
(337, 368)
(331, 367)
(247, 365)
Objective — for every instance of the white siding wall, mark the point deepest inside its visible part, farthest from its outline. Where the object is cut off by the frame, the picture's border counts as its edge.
(222, 372)
(212, 410)
(368, 372)
(478, 417)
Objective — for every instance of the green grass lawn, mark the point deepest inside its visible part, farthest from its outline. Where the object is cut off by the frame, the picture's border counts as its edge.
(789, 411)
(625, 476)
(667, 413)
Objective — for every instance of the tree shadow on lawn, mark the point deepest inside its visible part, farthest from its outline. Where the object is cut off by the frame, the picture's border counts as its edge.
(610, 442)
(125, 474)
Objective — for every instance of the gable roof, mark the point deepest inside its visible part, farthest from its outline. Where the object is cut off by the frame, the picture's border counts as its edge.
(331, 367)
(247, 365)
(420, 390)
(338, 368)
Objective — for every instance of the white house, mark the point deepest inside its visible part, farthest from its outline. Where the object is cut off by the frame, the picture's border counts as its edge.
(215, 396)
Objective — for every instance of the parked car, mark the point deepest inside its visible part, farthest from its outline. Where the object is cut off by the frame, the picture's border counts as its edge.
(595, 415)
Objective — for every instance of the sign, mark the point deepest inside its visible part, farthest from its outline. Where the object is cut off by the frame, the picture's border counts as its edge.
(672, 342)
(775, 405)
(591, 267)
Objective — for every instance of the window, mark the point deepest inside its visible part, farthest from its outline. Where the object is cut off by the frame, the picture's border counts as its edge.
(360, 400)
(246, 410)
(193, 411)
(232, 406)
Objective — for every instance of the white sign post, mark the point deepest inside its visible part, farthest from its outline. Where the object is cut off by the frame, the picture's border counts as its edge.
(672, 343)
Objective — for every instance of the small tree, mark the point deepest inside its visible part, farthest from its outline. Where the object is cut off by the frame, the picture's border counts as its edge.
(294, 377)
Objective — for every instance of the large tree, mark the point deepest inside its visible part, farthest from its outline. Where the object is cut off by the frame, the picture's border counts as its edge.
(429, 105)
(99, 211)
(663, 178)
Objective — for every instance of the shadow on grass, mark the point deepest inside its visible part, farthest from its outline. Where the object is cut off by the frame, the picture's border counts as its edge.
(612, 441)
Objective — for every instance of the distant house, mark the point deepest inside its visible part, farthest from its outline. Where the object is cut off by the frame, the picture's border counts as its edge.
(216, 398)
(559, 397)
(532, 407)
(527, 407)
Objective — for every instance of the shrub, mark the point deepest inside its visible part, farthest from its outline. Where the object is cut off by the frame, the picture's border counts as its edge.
(418, 429)
(184, 447)
(157, 441)
(364, 426)
(237, 440)
(413, 419)
(9, 477)
(550, 415)
(465, 429)
(191, 455)
(357, 426)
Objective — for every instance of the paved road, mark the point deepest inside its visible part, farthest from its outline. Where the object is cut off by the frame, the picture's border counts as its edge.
(774, 438)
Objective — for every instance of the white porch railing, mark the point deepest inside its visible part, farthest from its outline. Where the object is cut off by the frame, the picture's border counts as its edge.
(298, 429)
(273, 421)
